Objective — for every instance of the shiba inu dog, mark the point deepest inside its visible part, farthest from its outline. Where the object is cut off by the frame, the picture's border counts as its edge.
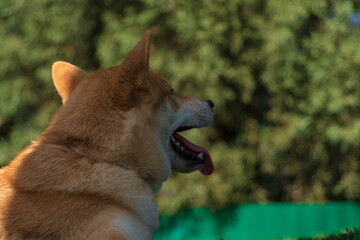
(93, 173)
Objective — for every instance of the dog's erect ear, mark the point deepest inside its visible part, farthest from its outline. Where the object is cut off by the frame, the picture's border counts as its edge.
(137, 60)
(66, 77)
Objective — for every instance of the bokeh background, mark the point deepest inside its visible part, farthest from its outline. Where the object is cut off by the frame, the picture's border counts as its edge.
(284, 76)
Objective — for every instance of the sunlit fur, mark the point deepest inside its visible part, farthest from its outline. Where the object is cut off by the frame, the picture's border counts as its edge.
(93, 173)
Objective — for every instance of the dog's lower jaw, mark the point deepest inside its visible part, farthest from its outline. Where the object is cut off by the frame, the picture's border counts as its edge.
(181, 164)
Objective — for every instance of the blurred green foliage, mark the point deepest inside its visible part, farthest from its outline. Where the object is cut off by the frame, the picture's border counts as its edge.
(348, 234)
(284, 76)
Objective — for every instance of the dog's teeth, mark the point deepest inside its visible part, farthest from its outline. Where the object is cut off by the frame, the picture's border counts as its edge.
(177, 144)
(201, 155)
(172, 139)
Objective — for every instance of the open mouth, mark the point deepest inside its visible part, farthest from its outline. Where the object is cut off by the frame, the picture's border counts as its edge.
(191, 151)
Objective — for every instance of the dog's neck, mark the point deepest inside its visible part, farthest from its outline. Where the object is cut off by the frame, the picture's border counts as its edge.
(155, 187)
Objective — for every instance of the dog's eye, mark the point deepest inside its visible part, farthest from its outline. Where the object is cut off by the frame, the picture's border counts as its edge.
(172, 91)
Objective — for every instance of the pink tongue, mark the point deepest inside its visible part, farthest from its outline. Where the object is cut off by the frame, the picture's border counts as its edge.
(208, 165)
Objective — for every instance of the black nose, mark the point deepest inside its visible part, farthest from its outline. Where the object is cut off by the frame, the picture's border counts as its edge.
(211, 103)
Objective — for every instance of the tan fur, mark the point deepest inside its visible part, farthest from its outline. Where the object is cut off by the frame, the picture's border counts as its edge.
(93, 173)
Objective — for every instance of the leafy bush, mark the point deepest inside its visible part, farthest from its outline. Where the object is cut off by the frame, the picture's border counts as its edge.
(350, 234)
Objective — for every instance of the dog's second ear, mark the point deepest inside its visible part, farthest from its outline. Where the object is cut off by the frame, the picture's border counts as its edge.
(137, 60)
(66, 77)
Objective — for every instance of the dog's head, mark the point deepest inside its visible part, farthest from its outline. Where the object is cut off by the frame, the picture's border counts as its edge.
(130, 117)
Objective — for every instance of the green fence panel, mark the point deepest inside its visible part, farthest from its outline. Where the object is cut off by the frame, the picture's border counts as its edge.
(260, 221)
